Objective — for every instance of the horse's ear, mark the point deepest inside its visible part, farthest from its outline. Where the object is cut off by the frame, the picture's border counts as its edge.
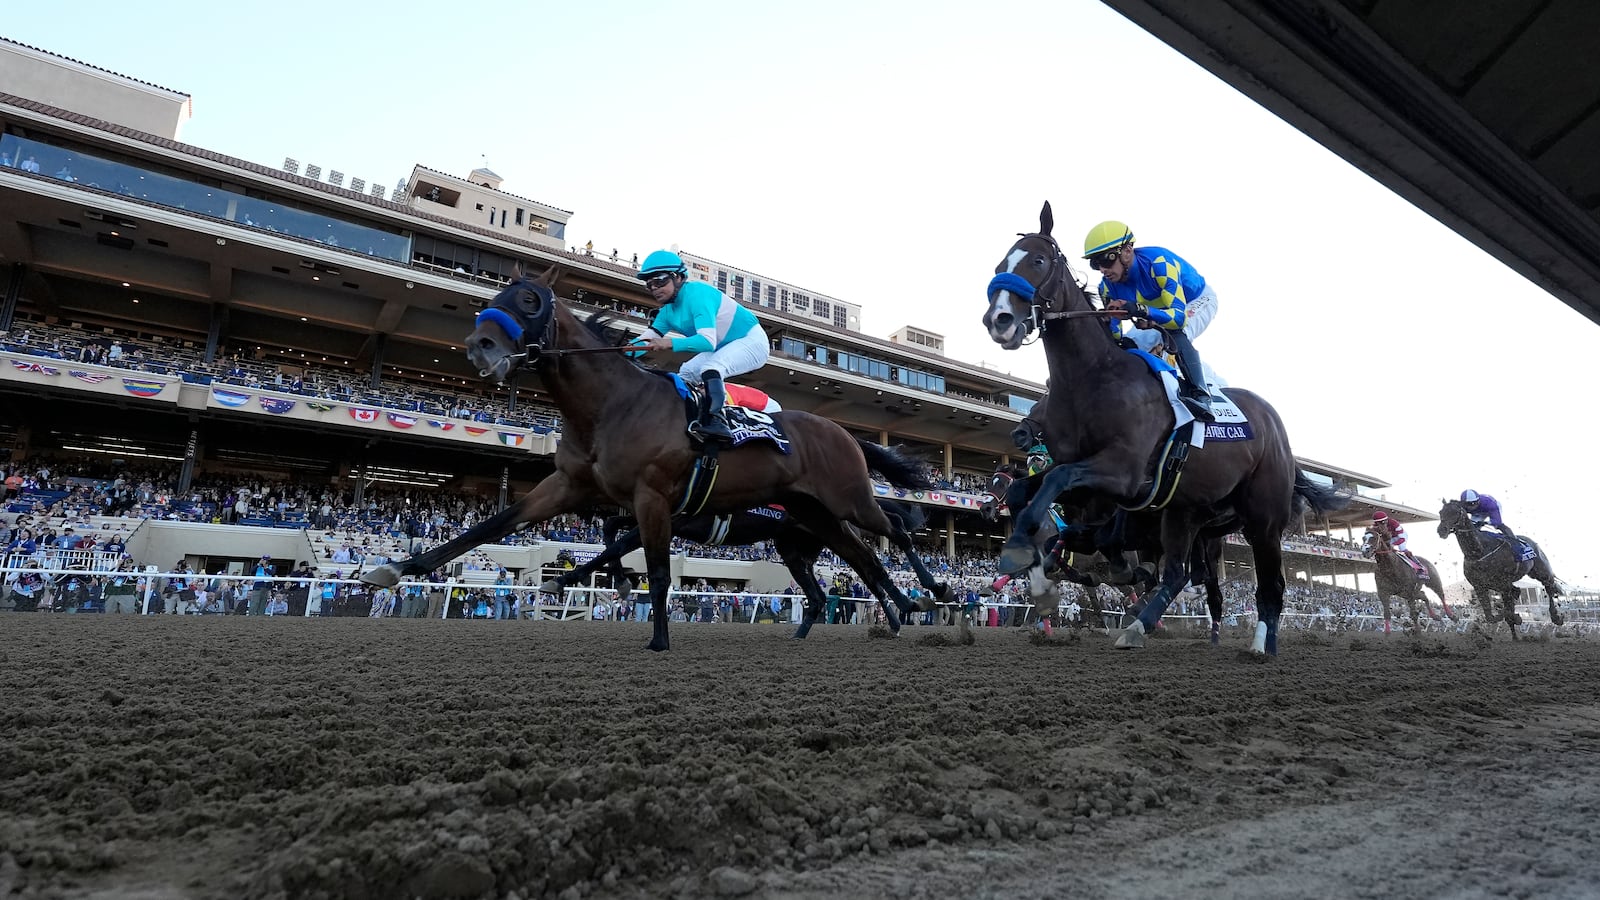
(1047, 220)
(516, 271)
(550, 277)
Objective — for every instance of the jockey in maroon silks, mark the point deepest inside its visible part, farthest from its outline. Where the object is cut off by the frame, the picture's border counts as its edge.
(1391, 531)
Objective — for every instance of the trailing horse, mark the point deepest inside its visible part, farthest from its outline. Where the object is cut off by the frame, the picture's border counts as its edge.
(797, 547)
(1108, 419)
(623, 443)
(1396, 578)
(1494, 563)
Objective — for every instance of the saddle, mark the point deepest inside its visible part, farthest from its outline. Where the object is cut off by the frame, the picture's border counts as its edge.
(743, 412)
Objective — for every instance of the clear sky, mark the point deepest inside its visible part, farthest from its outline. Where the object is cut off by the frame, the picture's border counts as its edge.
(887, 153)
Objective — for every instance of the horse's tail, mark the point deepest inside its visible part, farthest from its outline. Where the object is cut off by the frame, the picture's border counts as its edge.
(896, 468)
(1314, 498)
(911, 515)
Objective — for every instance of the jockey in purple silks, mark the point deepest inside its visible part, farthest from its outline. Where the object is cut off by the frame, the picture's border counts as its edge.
(1484, 509)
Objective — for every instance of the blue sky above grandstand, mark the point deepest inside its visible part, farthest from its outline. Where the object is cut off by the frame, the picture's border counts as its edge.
(886, 153)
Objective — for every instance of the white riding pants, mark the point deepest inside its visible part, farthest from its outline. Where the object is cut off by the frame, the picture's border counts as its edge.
(737, 357)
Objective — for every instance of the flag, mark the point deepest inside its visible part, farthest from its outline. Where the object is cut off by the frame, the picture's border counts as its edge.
(230, 398)
(362, 414)
(882, 490)
(442, 426)
(276, 405)
(511, 439)
(474, 431)
(399, 420)
(952, 499)
(34, 367)
(318, 405)
(142, 388)
(90, 377)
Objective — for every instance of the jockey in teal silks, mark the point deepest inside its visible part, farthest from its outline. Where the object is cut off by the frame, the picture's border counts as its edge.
(724, 337)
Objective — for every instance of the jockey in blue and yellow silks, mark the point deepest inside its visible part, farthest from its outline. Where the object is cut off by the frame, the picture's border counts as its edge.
(725, 337)
(1164, 293)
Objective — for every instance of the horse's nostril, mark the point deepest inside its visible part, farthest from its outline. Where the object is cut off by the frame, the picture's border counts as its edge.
(1002, 320)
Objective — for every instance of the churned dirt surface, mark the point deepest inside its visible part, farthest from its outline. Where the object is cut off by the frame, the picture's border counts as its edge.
(159, 757)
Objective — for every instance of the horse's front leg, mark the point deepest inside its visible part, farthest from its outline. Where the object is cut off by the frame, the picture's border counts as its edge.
(1177, 537)
(654, 513)
(1019, 552)
(616, 549)
(551, 497)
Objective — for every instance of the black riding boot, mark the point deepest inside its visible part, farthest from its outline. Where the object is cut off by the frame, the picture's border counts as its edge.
(1193, 393)
(713, 425)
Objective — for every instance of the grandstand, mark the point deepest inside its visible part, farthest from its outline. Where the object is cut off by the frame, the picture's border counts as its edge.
(198, 332)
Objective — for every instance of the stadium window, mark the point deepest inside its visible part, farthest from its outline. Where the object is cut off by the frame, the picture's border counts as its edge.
(519, 215)
(502, 218)
(772, 295)
(841, 317)
(822, 309)
(738, 287)
(722, 281)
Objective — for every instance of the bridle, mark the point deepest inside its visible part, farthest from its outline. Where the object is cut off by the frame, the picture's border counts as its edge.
(517, 322)
(1046, 300)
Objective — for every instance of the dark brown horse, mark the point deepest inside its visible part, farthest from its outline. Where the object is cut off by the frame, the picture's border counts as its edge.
(1493, 565)
(797, 547)
(1396, 578)
(1108, 417)
(623, 443)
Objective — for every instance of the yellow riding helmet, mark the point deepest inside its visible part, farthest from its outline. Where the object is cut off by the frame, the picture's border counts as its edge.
(1108, 235)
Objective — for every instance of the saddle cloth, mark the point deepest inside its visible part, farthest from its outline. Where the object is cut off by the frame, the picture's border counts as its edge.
(747, 425)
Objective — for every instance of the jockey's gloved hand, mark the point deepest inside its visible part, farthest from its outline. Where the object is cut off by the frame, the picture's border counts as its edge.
(643, 343)
(1139, 311)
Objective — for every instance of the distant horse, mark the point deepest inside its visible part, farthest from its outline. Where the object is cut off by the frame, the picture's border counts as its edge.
(1107, 418)
(1396, 578)
(1493, 564)
(797, 547)
(623, 443)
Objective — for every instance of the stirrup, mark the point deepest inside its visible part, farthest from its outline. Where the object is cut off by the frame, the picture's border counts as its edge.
(1200, 408)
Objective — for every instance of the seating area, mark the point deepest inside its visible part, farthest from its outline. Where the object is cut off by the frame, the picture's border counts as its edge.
(164, 356)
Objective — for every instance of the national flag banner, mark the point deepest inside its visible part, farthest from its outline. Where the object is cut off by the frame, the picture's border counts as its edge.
(882, 490)
(90, 377)
(34, 367)
(318, 405)
(511, 439)
(140, 387)
(442, 426)
(918, 495)
(229, 398)
(400, 420)
(362, 414)
(276, 405)
(900, 492)
(952, 499)
(933, 495)
(474, 431)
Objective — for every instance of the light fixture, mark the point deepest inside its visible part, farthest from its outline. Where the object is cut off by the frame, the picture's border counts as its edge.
(302, 318)
(316, 278)
(124, 284)
(222, 242)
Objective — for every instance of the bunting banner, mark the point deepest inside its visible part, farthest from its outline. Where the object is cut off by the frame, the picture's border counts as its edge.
(882, 490)
(442, 426)
(34, 367)
(229, 398)
(474, 431)
(142, 388)
(362, 414)
(276, 405)
(510, 439)
(318, 405)
(89, 377)
(400, 420)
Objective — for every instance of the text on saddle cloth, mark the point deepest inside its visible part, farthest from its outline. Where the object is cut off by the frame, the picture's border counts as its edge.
(1231, 423)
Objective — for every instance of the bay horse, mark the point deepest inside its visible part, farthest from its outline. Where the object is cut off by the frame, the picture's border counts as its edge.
(1396, 578)
(1108, 417)
(624, 444)
(797, 547)
(1493, 566)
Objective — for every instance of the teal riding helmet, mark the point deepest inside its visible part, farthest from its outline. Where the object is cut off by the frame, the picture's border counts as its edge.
(662, 262)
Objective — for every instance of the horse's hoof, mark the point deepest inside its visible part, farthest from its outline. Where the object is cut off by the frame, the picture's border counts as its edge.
(656, 647)
(1216, 637)
(1132, 637)
(383, 576)
(553, 586)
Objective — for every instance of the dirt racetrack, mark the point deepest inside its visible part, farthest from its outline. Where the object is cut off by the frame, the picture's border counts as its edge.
(250, 758)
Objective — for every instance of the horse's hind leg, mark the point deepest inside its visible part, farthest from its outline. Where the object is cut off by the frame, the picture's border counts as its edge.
(799, 562)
